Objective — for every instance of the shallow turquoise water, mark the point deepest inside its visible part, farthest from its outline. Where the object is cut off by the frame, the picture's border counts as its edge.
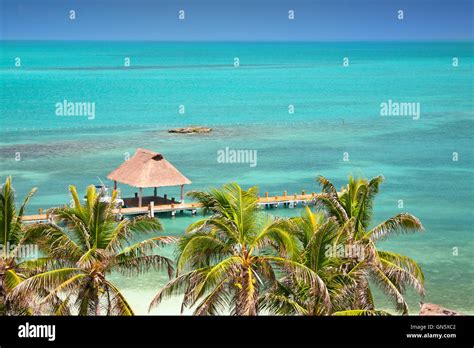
(336, 111)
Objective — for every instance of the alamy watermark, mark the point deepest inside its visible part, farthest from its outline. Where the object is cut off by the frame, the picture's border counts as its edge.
(37, 331)
(68, 108)
(393, 108)
(23, 251)
(345, 251)
(228, 155)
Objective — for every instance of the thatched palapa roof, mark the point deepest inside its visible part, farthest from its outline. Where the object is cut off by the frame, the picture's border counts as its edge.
(148, 169)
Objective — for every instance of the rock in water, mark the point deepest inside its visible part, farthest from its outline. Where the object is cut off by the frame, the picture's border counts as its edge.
(191, 130)
(434, 309)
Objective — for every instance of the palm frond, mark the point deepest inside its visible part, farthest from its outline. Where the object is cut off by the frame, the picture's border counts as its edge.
(41, 283)
(174, 287)
(18, 218)
(200, 249)
(402, 270)
(118, 305)
(391, 289)
(212, 276)
(365, 201)
(67, 285)
(11, 280)
(306, 275)
(7, 215)
(53, 241)
(275, 231)
(281, 300)
(332, 206)
(401, 223)
(62, 307)
(326, 185)
(216, 301)
(136, 265)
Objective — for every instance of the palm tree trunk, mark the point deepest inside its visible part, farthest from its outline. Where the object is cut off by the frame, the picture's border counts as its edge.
(108, 302)
(247, 297)
(96, 304)
(3, 296)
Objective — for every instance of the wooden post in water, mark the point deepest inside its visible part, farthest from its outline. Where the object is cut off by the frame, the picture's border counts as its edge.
(303, 192)
(40, 211)
(140, 196)
(182, 194)
(284, 193)
(266, 194)
(154, 192)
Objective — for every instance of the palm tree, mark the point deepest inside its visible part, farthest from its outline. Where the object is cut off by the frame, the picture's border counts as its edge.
(353, 211)
(316, 236)
(319, 238)
(227, 259)
(12, 239)
(87, 244)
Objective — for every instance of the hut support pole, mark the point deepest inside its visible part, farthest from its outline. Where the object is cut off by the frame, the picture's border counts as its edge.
(140, 196)
(154, 192)
(115, 184)
(152, 209)
(182, 194)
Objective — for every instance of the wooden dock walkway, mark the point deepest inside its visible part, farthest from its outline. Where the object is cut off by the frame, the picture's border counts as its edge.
(264, 202)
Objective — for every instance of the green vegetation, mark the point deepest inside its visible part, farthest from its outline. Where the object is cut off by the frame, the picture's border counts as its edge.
(84, 245)
(236, 260)
(231, 255)
(12, 236)
(337, 245)
(353, 211)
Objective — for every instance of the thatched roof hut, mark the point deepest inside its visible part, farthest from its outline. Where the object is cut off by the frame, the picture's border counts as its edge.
(148, 169)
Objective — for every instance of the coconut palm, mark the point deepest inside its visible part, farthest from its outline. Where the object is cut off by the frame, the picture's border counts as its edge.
(13, 268)
(317, 236)
(226, 260)
(322, 248)
(87, 245)
(353, 210)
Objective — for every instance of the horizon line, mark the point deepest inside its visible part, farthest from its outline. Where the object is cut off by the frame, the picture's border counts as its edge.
(245, 41)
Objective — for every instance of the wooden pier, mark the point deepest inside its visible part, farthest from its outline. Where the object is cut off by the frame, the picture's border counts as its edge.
(151, 209)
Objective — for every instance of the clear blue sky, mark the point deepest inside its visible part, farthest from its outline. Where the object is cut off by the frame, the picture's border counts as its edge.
(243, 20)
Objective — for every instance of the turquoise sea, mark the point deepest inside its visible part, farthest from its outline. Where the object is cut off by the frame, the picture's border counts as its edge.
(336, 111)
